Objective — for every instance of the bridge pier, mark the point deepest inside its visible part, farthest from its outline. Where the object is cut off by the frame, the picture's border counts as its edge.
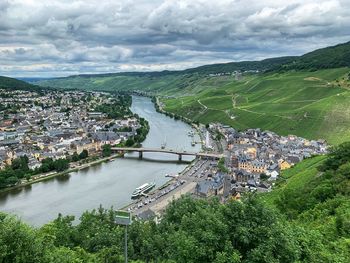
(140, 154)
(180, 157)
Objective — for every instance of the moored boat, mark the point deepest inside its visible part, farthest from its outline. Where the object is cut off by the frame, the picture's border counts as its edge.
(141, 190)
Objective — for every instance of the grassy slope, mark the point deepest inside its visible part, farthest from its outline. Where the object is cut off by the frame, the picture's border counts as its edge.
(309, 104)
(294, 178)
(293, 191)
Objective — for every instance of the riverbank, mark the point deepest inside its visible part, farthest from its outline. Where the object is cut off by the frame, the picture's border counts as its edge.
(50, 175)
(183, 184)
(47, 176)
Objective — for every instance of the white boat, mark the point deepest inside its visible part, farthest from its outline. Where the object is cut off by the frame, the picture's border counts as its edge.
(163, 144)
(172, 175)
(191, 133)
(141, 190)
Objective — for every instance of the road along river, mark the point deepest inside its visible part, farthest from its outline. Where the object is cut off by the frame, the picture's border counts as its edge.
(108, 184)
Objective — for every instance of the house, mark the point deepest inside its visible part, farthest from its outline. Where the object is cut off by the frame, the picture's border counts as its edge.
(236, 196)
(258, 166)
(273, 176)
(251, 152)
(204, 189)
(106, 138)
(33, 164)
(146, 215)
(89, 145)
(210, 187)
(283, 164)
(96, 115)
(244, 163)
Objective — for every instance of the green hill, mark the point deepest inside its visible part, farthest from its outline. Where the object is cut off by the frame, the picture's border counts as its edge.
(261, 66)
(315, 195)
(330, 57)
(15, 84)
(309, 104)
(298, 97)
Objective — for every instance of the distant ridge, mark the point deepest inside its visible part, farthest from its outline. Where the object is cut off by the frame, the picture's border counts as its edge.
(261, 66)
(330, 57)
(15, 84)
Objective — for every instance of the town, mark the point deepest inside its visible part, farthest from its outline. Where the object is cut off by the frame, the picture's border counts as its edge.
(253, 161)
(43, 128)
(42, 133)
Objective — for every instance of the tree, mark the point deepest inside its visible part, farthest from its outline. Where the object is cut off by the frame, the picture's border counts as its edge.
(61, 165)
(75, 157)
(20, 163)
(18, 242)
(84, 154)
(129, 142)
(106, 150)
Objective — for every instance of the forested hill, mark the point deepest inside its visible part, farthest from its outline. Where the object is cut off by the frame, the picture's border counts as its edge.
(15, 84)
(260, 66)
(306, 219)
(330, 57)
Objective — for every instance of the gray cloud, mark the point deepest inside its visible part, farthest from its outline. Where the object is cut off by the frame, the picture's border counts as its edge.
(63, 37)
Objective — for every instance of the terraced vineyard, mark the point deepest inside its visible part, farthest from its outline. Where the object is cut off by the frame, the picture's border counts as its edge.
(306, 95)
(310, 104)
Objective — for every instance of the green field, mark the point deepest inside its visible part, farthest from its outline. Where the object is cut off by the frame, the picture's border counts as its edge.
(294, 178)
(308, 104)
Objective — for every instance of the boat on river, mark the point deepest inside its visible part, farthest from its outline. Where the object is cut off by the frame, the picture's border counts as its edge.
(163, 145)
(142, 190)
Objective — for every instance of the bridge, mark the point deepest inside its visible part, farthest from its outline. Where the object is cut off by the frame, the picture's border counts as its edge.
(155, 150)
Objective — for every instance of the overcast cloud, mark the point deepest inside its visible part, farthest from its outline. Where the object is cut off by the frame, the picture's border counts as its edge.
(60, 38)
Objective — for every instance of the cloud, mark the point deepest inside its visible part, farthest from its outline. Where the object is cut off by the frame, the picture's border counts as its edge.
(58, 38)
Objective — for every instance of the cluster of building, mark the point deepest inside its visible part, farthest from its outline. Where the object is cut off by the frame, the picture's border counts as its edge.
(255, 155)
(55, 124)
(253, 161)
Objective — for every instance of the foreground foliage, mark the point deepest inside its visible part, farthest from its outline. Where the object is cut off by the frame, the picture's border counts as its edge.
(191, 231)
(315, 196)
(306, 219)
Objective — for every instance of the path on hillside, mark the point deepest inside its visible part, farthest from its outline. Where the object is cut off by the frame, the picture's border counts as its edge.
(234, 102)
(204, 106)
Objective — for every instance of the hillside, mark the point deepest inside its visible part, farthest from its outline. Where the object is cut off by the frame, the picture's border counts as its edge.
(261, 66)
(311, 102)
(315, 195)
(12, 83)
(329, 57)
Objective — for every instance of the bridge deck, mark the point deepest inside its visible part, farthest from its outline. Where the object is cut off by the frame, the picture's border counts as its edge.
(199, 154)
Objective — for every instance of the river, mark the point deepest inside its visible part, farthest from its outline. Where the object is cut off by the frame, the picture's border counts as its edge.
(107, 184)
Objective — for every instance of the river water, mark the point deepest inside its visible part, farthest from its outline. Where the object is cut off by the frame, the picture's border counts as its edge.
(108, 184)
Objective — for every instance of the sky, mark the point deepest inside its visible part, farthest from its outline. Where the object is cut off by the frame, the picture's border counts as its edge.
(67, 37)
